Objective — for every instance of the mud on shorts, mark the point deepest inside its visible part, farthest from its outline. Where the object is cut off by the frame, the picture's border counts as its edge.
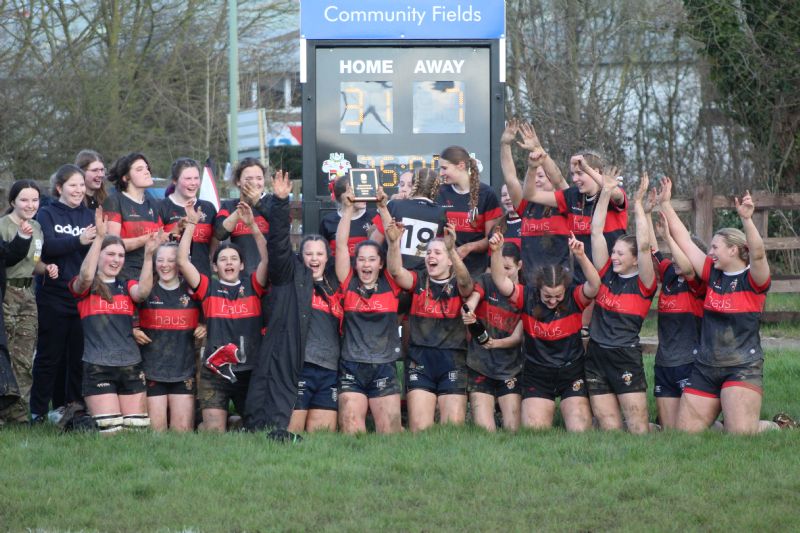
(614, 370)
(374, 380)
(103, 379)
(437, 371)
(164, 388)
(671, 380)
(548, 382)
(316, 389)
(709, 381)
(216, 392)
(477, 382)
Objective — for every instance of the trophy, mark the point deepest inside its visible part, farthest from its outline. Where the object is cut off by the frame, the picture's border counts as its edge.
(364, 184)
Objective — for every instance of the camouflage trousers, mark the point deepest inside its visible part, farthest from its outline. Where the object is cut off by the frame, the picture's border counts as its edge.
(19, 310)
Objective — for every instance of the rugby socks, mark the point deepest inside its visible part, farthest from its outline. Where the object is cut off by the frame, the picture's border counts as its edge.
(109, 424)
(138, 421)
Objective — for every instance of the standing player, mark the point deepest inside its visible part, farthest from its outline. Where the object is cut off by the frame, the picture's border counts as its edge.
(360, 224)
(232, 309)
(728, 373)
(472, 206)
(436, 372)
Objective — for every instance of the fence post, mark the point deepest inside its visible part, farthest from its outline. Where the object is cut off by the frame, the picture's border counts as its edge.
(761, 221)
(704, 212)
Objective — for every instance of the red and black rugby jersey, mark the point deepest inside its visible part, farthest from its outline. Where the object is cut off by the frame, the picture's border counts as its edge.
(622, 305)
(136, 219)
(552, 336)
(108, 326)
(513, 231)
(242, 235)
(680, 315)
(360, 229)
(435, 315)
(500, 316)
(423, 220)
(370, 333)
(545, 236)
(323, 340)
(732, 310)
(168, 317)
(171, 213)
(457, 206)
(233, 314)
(578, 208)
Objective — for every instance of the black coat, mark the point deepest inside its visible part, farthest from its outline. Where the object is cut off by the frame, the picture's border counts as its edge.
(273, 383)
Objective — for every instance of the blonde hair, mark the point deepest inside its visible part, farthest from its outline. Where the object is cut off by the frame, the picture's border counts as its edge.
(736, 237)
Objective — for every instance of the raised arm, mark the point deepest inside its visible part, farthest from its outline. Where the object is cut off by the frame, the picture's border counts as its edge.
(507, 162)
(463, 279)
(759, 267)
(599, 245)
(499, 276)
(647, 273)
(592, 284)
(246, 215)
(141, 290)
(383, 211)
(394, 258)
(617, 196)
(279, 248)
(188, 270)
(678, 257)
(88, 269)
(530, 192)
(530, 141)
(342, 235)
(680, 235)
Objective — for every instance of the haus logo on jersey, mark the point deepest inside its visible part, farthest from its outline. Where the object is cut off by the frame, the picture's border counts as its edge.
(581, 224)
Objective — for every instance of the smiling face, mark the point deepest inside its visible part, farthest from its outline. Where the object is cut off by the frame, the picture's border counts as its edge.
(505, 199)
(95, 173)
(26, 203)
(623, 258)
(315, 257)
(405, 184)
(368, 264)
(584, 182)
(73, 191)
(541, 181)
(437, 260)
(188, 183)
(552, 296)
(228, 265)
(725, 256)
(167, 263)
(253, 176)
(112, 258)
(452, 173)
(139, 175)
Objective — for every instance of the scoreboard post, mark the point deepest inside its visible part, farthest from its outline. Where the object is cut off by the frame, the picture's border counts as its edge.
(389, 85)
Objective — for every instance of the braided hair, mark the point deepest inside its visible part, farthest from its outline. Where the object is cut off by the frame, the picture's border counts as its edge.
(550, 276)
(456, 155)
(426, 183)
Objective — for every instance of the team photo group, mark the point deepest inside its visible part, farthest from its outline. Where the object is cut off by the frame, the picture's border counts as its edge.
(444, 304)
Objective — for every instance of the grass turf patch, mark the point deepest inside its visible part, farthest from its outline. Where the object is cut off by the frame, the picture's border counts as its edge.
(444, 479)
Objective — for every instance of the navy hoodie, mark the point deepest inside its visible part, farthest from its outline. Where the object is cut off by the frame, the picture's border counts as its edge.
(62, 226)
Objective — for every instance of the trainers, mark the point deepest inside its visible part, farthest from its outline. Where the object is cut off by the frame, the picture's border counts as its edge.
(56, 415)
(785, 421)
(283, 436)
(37, 420)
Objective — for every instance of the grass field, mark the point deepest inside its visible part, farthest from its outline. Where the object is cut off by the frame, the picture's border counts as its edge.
(446, 479)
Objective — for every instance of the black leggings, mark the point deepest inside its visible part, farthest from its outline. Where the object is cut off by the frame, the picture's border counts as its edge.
(57, 365)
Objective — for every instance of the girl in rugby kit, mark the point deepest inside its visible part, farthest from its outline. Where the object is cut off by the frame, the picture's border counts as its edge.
(494, 367)
(471, 205)
(436, 371)
(614, 371)
(510, 223)
(360, 224)
(250, 178)
(554, 357)
(113, 378)
(172, 211)
(728, 373)
(297, 372)
(543, 230)
(370, 340)
(422, 218)
(232, 310)
(168, 319)
(132, 213)
(94, 171)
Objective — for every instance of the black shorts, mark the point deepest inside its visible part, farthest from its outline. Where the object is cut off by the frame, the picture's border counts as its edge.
(122, 380)
(316, 389)
(614, 370)
(539, 381)
(216, 392)
(670, 380)
(437, 371)
(164, 388)
(477, 382)
(709, 381)
(374, 380)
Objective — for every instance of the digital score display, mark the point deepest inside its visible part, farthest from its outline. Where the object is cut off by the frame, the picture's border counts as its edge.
(396, 108)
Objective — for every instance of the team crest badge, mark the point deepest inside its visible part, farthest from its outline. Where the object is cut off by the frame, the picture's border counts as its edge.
(734, 283)
(578, 384)
(627, 377)
(241, 291)
(184, 300)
